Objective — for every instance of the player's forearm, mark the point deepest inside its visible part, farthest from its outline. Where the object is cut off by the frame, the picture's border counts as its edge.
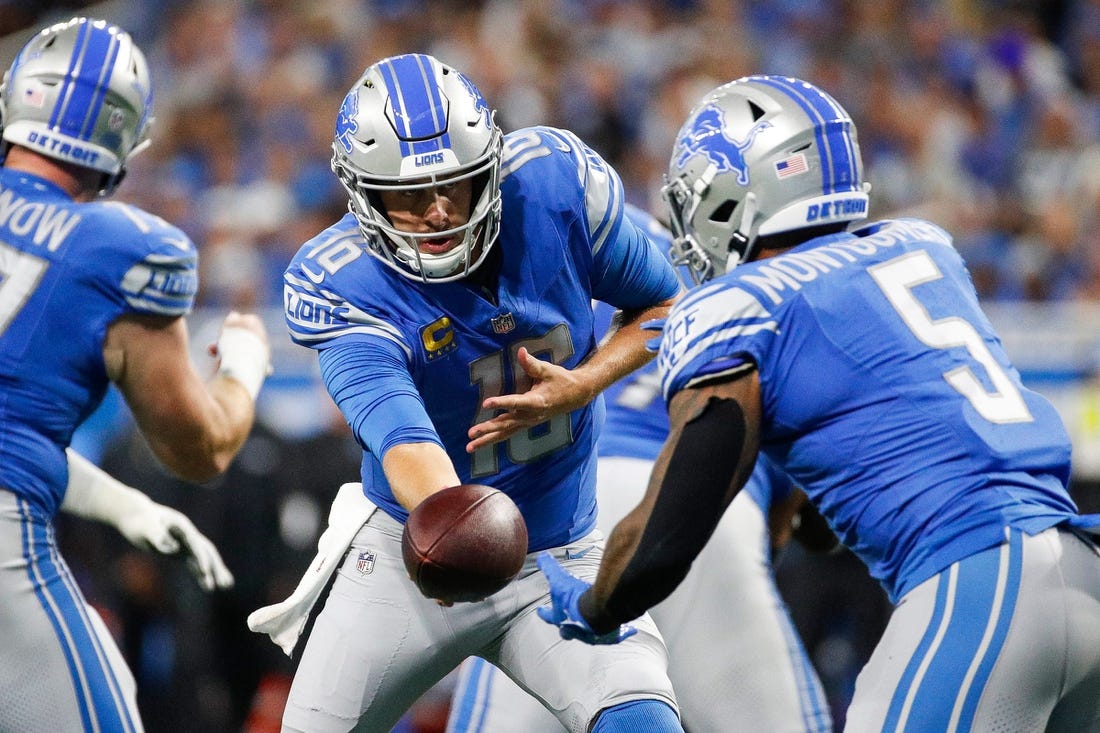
(198, 439)
(231, 423)
(244, 362)
(623, 350)
(631, 581)
(707, 459)
(415, 471)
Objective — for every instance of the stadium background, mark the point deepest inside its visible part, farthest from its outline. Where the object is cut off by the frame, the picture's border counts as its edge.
(983, 116)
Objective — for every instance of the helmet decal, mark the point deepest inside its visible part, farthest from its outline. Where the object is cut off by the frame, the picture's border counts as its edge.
(480, 105)
(707, 137)
(346, 124)
(725, 188)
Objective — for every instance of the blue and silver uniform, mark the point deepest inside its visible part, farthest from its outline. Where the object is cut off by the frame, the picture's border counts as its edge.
(730, 589)
(411, 362)
(636, 423)
(69, 271)
(917, 441)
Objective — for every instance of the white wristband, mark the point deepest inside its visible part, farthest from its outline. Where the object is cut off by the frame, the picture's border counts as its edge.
(244, 357)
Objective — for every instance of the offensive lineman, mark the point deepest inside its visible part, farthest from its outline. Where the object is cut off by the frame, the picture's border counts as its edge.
(91, 292)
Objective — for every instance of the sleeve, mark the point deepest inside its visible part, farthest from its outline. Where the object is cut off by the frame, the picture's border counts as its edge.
(316, 314)
(161, 277)
(716, 330)
(627, 270)
(369, 380)
(631, 271)
(602, 187)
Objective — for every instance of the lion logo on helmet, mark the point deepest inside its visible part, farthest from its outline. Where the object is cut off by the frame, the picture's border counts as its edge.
(346, 124)
(706, 136)
(480, 105)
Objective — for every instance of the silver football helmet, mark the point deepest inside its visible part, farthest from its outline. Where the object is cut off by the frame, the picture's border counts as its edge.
(759, 156)
(411, 122)
(79, 92)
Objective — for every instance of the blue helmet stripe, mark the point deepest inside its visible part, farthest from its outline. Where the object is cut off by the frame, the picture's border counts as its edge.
(102, 83)
(418, 108)
(67, 85)
(89, 61)
(832, 129)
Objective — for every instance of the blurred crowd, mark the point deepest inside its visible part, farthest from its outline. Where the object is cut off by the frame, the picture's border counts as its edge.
(984, 116)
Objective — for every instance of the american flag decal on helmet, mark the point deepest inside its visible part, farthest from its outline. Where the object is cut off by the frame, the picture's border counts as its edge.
(791, 166)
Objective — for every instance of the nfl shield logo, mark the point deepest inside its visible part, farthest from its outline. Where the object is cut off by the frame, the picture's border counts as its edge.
(365, 563)
(504, 323)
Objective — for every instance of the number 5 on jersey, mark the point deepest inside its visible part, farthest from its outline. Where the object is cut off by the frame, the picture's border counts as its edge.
(897, 278)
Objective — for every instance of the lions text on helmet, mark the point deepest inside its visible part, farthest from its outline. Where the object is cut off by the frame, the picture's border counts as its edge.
(423, 186)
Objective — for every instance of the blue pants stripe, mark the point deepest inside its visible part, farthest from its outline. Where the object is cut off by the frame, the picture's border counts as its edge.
(98, 693)
(945, 677)
(474, 705)
(1013, 569)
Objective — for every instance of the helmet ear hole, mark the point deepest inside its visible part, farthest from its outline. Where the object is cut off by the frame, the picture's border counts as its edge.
(724, 212)
(756, 109)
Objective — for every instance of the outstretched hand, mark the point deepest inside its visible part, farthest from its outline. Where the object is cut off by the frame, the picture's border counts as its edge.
(554, 390)
(163, 529)
(564, 611)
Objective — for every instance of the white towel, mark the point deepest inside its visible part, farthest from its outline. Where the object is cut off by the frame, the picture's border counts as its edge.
(284, 622)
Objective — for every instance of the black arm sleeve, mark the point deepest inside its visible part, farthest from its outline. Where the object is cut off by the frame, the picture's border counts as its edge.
(697, 488)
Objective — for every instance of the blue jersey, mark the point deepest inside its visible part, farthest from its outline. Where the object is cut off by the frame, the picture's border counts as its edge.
(886, 395)
(412, 362)
(636, 425)
(68, 271)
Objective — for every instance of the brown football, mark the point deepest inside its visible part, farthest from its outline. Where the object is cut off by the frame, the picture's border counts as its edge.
(464, 543)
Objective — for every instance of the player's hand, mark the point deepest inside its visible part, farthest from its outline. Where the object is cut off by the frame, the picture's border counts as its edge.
(243, 351)
(554, 390)
(248, 322)
(169, 532)
(564, 611)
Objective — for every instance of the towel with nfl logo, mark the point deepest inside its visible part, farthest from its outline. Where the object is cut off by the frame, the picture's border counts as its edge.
(284, 622)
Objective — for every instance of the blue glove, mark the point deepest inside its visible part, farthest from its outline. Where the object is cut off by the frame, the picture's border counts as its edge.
(658, 325)
(564, 611)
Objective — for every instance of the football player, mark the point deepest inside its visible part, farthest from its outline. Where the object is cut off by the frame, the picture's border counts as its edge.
(451, 314)
(861, 363)
(752, 676)
(91, 292)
